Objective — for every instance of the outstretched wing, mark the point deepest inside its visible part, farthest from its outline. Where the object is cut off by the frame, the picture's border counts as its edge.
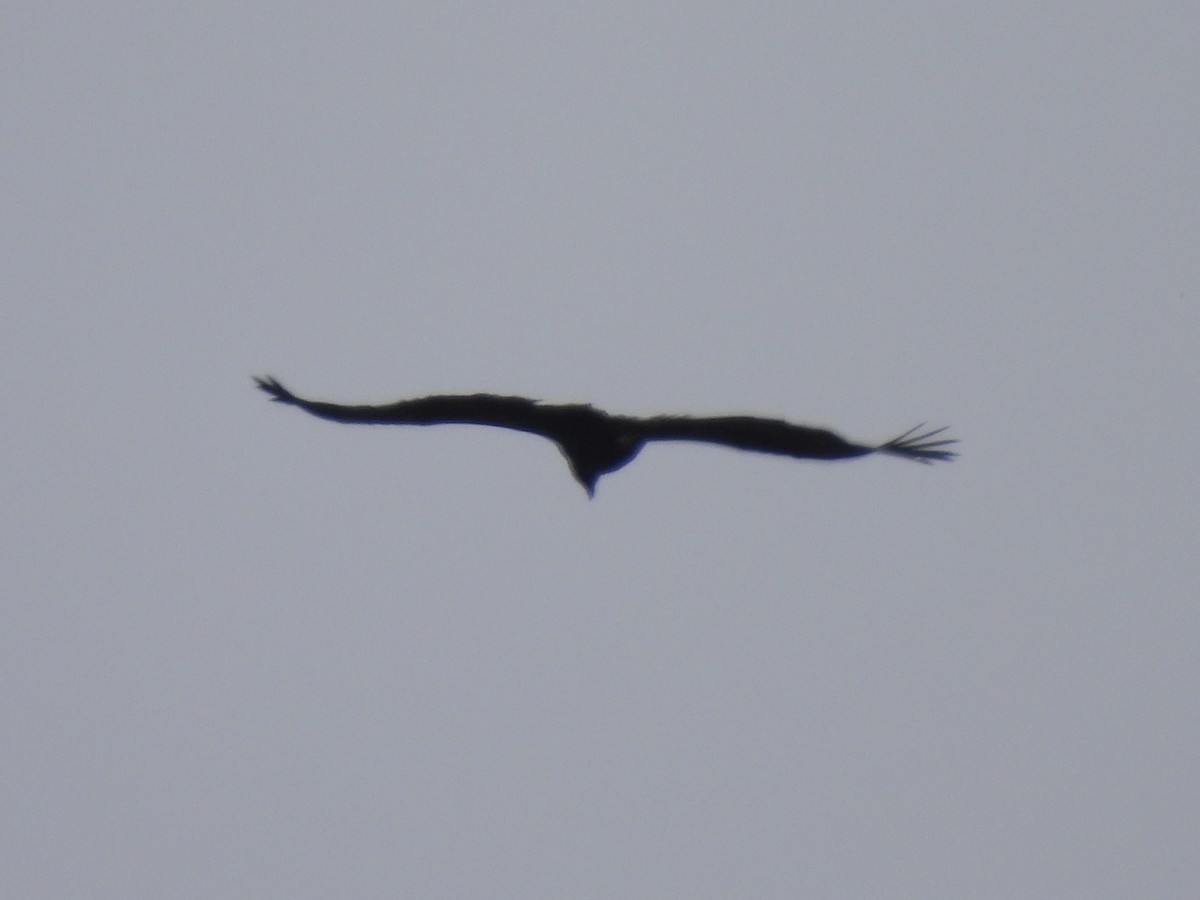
(518, 413)
(787, 439)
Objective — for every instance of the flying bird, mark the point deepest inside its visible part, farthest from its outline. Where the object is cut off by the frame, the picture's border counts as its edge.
(596, 443)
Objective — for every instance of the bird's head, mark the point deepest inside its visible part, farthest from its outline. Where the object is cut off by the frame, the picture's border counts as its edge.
(588, 461)
(587, 477)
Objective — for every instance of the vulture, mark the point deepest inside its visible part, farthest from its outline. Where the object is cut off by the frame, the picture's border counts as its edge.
(595, 442)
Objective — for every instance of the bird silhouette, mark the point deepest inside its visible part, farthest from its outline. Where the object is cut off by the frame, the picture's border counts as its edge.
(595, 442)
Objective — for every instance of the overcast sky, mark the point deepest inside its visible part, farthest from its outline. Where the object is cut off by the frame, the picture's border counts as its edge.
(247, 653)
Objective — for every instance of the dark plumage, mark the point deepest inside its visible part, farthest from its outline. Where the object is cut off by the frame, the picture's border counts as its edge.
(595, 443)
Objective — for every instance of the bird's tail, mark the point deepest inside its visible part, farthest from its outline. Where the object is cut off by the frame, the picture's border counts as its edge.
(916, 444)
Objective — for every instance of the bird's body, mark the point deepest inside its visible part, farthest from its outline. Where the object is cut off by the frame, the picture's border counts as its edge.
(595, 442)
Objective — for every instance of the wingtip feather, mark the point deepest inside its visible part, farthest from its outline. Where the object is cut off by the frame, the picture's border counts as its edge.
(917, 445)
(278, 392)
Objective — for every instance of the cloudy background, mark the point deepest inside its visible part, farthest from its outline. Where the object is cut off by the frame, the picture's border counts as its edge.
(245, 653)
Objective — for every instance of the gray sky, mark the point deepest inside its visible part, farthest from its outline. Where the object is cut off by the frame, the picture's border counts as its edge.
(248, 653)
